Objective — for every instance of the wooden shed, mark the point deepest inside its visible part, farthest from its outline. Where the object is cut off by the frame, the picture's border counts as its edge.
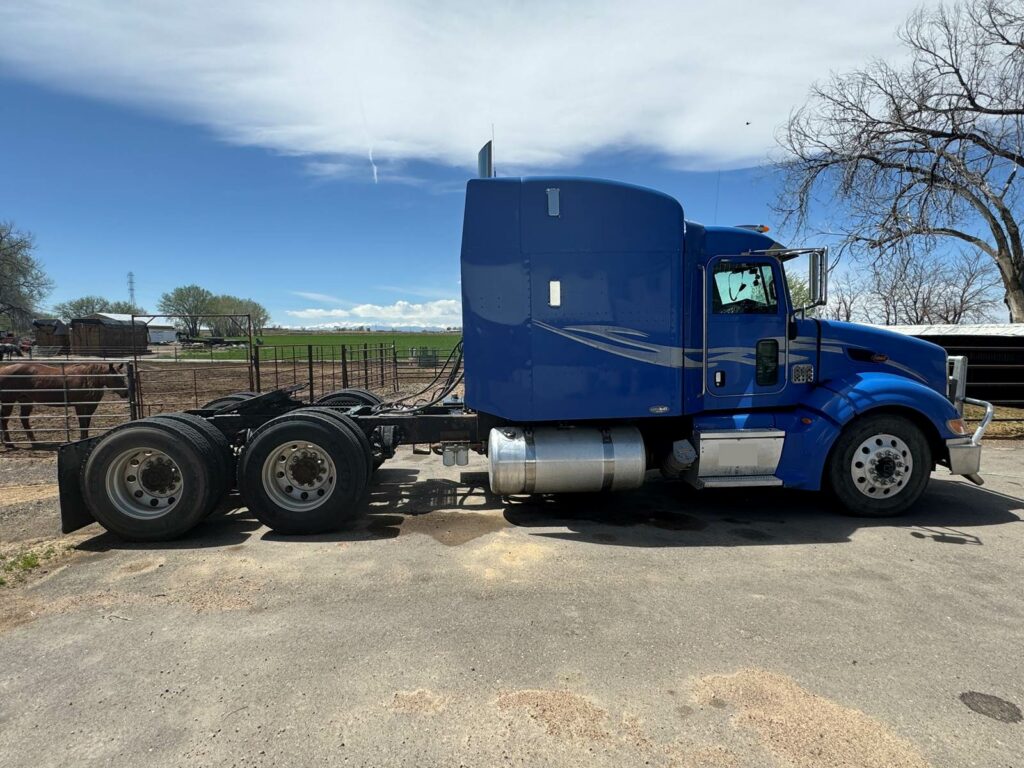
(108, 335)
(51, 336)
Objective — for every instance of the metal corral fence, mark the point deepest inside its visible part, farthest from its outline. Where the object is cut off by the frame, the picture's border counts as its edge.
(54, 403)
(328, 367)
(46, 403)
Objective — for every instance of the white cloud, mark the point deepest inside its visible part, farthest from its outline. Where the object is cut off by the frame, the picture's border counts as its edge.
(323, 298)
(363, 84)
(431, 314)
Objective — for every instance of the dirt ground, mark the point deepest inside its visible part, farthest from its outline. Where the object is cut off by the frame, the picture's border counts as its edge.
(662, 627)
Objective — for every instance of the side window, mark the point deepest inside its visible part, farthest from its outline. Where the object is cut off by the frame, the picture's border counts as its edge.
(743, 288)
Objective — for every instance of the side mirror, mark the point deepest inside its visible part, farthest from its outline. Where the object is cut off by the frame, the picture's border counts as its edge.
(817, 277)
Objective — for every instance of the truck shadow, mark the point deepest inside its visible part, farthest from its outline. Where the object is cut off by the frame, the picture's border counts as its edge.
(660, 514)
(672, 515)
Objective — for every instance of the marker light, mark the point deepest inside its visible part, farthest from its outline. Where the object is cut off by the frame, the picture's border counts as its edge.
(957, 426)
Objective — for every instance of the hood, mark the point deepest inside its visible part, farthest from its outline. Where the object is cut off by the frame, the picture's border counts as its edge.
(851, 348)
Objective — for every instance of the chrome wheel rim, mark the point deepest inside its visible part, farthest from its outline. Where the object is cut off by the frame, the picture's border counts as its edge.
(881, 466)
(144, 483)
(299, 476)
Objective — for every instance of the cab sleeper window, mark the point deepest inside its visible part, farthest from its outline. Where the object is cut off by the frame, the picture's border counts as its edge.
(744, 289)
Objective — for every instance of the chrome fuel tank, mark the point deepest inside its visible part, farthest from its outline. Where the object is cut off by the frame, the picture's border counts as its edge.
(565, 460)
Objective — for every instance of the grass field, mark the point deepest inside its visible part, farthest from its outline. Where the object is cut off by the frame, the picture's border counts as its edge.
(402, 341)
(295, 344)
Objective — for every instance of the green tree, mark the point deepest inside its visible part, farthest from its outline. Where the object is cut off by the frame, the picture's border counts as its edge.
(80, 307)
(90, 305)
(23, 283)
(798, 292)
(259, 313)
(238, 308)
(191, 302)
(124, 308)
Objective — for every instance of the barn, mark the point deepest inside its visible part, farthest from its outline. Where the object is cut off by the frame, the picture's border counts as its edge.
(51, 337)
(108, 335)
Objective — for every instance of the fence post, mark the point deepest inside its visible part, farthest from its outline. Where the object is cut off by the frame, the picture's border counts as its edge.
(309, 361)
(344, 367)
(252, 373)
(67, 425)
(133, 406)
(380, 352)
(195, 387)
(256, 369)
(394, 366)
(366, 366)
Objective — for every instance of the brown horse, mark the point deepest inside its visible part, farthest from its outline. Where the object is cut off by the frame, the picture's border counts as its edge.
(77, 386)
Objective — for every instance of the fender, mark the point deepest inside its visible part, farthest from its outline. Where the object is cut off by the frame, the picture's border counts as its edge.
(866, 391)
(832, 405)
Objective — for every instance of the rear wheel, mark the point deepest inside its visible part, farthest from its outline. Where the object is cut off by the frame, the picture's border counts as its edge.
(224, 458)
(149, 481)
(303, 473)
(233, 399)
(880, 466)
(347, 423)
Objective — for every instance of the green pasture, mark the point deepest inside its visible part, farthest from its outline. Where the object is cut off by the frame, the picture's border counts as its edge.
(295, 344)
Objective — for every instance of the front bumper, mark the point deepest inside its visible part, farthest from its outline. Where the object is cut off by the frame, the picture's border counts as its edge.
(965, 452)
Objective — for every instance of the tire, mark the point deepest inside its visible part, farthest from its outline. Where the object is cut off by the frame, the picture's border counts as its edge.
(233, 399)
(349, 398)
(180, 483)
(347, 423)
(879, 466)
(374, 443)
(275, 496)
(223, 477)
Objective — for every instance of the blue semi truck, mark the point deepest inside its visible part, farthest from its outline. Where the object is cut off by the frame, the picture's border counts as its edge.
(605, 337)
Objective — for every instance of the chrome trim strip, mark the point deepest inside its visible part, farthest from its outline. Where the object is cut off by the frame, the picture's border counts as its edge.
(704, 342)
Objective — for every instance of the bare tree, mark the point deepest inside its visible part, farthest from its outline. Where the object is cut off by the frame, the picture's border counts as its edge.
(23, 283)
(846, 298)
(924, 289)
(924, 152)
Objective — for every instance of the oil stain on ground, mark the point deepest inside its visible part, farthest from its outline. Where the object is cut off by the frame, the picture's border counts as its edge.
(454, 528)
(991, 706)
(805, 729)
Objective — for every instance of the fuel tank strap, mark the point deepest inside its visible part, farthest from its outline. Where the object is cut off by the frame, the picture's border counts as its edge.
(609, 461)
(529, 463)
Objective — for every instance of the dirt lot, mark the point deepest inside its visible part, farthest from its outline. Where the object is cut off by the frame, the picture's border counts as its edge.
(661, 627)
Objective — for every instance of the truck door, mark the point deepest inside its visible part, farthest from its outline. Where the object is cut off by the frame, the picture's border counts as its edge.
(745, 338)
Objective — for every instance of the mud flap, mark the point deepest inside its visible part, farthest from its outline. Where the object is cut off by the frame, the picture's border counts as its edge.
(73, 512)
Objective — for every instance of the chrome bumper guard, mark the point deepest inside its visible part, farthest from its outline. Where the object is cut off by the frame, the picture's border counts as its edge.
(965, 452)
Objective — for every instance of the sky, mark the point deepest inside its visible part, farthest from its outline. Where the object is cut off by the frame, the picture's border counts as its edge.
(313, 155)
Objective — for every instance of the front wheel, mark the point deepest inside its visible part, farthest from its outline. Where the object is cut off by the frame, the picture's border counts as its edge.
(879, 466)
